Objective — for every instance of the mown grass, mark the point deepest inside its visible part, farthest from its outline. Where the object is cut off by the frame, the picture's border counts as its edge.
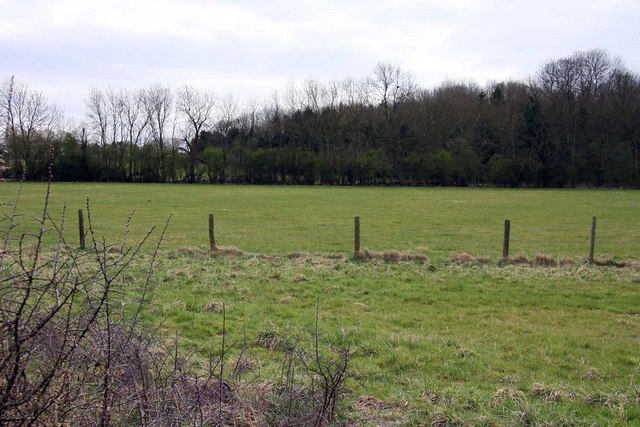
(435, 343)
(429, 221)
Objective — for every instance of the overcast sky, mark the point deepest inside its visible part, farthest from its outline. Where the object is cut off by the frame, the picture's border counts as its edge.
(251, 48)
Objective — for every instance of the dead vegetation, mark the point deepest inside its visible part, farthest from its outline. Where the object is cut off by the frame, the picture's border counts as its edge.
(229, 251)
(550, 394)
(462, 259)
(465, 259)
(609, 262)
(215, 306)
(539, 260)
(390, 256)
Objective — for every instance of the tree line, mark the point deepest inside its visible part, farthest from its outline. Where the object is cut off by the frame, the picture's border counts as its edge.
(574, 122)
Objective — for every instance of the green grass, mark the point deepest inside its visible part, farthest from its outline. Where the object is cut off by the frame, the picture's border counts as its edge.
(437, 344)
(432, 221)
(465, 334)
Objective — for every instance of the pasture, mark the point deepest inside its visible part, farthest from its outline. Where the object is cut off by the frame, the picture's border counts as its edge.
(431, 221)
(434, 343)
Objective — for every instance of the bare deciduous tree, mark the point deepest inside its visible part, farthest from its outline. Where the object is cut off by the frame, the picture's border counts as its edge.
(196, 109)
(227, 119)
(158, 103)
(391, 86)
(135, 123)
(31, 125)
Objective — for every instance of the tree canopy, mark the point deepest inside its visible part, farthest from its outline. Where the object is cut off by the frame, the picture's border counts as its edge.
(574, 122)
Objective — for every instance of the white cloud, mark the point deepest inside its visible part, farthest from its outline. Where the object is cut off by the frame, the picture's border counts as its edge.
(245, 46)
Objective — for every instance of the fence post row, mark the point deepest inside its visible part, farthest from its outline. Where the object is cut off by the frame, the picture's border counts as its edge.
(356, 225)
(592, 246)
(81, 228)
(505, 242)
(212, 237)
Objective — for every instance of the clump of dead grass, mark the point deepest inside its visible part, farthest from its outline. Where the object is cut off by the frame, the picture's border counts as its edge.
(592, 374)
(391, 256)
(540, 260)
(193, 252)
(433, 398)
(549, 394)
(465, 259)
(543, 260)
(199, 253)
(270, 339)
(229, 251)
(215, 306)
(298, 255)
(299, 278)
(369, 403)
(509, 394)
(610, 262)
(519, 259)
(444, 418)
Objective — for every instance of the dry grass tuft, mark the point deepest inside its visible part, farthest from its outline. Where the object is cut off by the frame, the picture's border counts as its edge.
(298, 255)
(592, 374)
(433, 398)
(632, 265)
(391, 256)
(228, 251)
(462, 259)
(214, 306)
(508, 394)
(430, 397)
(609, 262)
(369, 403)
(465, 259)
(521, 258)
(444, 419)
(597, 399)
(549, 394)
(299, 278)
(194, 252)
(614, 401)
(544, 261)
(269, 339)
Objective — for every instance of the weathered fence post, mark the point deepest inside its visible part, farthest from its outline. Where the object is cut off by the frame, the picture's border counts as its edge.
(505, 243)
(81, 228)
(212, 237)
(592, 246)
(356, 225)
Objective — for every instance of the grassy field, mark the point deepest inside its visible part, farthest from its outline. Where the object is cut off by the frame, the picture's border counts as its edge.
(452, 345)
(434, 343)
(431, 221)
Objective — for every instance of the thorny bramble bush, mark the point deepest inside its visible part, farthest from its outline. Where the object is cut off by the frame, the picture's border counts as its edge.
(70, 353)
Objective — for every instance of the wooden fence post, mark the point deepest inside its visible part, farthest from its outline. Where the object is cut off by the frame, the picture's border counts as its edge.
(356, 225)
(592, 246)
(212, 237)
(81, 228)
(505, 243)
